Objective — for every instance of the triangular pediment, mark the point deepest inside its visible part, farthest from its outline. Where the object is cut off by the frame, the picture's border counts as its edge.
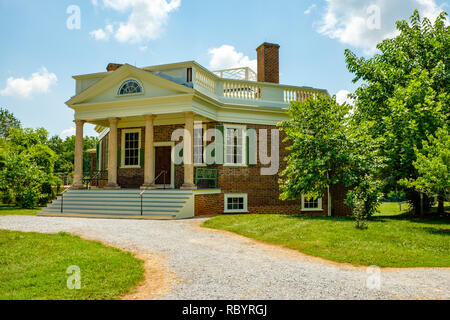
(107, 89)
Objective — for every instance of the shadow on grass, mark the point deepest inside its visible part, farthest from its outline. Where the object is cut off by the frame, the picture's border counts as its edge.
(319, 218)
(441, 232)
(8, 207)
(430, 219)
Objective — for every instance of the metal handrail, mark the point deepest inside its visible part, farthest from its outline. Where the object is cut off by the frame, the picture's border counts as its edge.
(95, 176)
(141, 195)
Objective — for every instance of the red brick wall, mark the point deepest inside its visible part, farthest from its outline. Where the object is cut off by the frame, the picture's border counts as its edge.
(338, 195)
(268, 63)
(209, 204)
(263, 191)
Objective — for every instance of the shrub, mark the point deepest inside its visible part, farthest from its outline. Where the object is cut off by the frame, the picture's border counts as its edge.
(29, 199)
(8, 196)
(364, 200)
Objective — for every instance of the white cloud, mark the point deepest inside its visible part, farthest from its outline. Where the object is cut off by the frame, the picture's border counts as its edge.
(102, 34)
(39, 82)
(364, 23)
(226, 57)
(68, 133)
(342, 96)
(145, 22)
(310, 9)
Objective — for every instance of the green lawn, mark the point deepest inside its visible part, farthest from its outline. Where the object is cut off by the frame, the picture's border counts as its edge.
(7, 210)
(392, 240)
(33, 266)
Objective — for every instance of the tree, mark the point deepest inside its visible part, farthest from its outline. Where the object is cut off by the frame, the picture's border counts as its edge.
(7, 121)
(326, 148)
(405, 94)
(24, 138)
(432, 167)
(27, 164)
(364, 199)
(319, 147)
(64, 162)
(69, 150)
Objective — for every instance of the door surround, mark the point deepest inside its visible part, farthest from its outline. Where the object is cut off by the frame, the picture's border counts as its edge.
(172, 164)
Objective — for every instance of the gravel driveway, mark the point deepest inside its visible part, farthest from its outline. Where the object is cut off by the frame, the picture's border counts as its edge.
(217, 265)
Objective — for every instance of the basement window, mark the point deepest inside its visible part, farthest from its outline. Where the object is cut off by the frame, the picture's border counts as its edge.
(236, 203)
(311, 204)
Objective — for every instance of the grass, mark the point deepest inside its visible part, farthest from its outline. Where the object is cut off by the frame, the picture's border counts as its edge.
(33, 267)
(393, 239)
(9, 210)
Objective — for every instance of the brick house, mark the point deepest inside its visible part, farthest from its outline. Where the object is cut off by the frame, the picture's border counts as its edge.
(151, 171)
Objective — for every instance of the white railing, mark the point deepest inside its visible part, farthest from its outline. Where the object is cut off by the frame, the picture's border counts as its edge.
(237, 74)
(205, 80)
(292, 94)
(253, 93)
(241, 90)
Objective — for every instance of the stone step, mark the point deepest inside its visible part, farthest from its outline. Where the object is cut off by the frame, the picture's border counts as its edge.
(110, 212)
(123, 202)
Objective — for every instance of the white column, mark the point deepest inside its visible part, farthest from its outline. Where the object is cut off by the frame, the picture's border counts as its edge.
(78, 163)
(112, 156)
(188, 152)
(149, 165)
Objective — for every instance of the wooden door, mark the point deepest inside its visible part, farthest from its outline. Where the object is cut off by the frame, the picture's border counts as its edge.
(163, 162)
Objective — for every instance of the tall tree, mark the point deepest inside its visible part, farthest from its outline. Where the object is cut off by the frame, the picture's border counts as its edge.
(405, 94)
(7, 122)
(326, 149)
(432, 167)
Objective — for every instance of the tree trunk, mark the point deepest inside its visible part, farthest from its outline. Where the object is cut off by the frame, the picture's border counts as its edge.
(441, 204)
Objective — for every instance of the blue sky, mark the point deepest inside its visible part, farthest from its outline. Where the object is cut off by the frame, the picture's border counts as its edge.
(40, 53)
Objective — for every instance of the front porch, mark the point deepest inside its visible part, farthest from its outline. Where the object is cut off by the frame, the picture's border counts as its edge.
(139, 152)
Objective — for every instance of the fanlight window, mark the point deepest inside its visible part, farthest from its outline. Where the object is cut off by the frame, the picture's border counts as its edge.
(130, 87)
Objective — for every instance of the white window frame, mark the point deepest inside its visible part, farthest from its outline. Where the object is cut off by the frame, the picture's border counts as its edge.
(118, 95)
(198, 125)
(244, 145)
(319, 208)
(236, 195)
(122, 149)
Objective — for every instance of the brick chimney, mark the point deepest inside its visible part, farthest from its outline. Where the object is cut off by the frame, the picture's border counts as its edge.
(113, 66)
(268, 62)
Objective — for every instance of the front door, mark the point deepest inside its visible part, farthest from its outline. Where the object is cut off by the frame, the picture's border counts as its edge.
(163, 162)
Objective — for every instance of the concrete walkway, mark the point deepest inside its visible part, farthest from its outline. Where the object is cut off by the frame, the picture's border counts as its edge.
(208, 264)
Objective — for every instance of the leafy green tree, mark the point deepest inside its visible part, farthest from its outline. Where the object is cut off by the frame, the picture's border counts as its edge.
(69, 150)
(64, 162)
(27, 164)
(432, 167)
(24, 138)
(326, 148)
(7, 122)
(405, 94)
(21, 177)
(364, 199)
